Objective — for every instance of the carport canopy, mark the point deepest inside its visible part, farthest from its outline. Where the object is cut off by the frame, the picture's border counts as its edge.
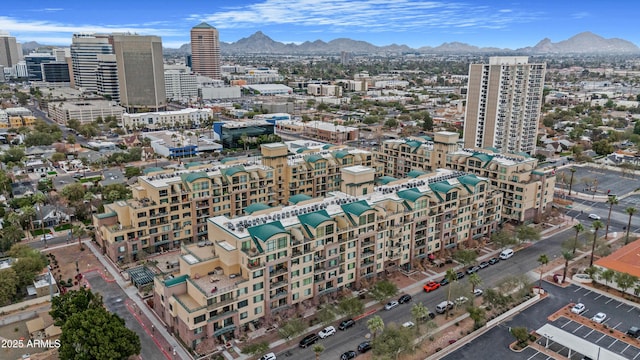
(577, 344)
(141, 276)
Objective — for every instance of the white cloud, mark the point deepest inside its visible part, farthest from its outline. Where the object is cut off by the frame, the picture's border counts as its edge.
(580, 15)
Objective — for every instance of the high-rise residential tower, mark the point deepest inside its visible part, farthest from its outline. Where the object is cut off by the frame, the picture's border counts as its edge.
(504, 101)
(140, 72)
(205, 51)
(9, 50)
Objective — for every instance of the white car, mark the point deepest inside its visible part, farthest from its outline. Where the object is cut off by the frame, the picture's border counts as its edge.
(326, 332)
(461, 300)
(477, 292)
(269, 356)
(578, 308)
(391, 304)
(46, 237)
(599, 317)
(594, 217)
(408, 324)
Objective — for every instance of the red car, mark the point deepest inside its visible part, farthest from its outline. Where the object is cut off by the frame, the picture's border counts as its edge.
(431, 285)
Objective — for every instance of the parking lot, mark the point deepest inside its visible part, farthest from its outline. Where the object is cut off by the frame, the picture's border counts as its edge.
(619, 183)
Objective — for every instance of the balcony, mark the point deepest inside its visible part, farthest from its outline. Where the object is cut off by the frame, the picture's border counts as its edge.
(279, 284)
(225, 314)
(278, 294)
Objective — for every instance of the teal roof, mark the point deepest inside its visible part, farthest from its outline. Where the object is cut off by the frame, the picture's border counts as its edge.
(524, 154)
(484, 158)
(192, 164)
(313, 158)
(203, 25)
(194, 176)
(256, 207)
(384, 180)
(356, 208)
(412, 194)
(341, 154)
(315, 218)
(233, 170)
(327, 146)
(265, 231)
(469, 179)
(441, 187)
(428, 138)
(301, 150)
(413, 143)
(537, 172)
(176, 280)
(151, 169)
(415, 173)
(491, 148)
(298, 198)
(106, 215)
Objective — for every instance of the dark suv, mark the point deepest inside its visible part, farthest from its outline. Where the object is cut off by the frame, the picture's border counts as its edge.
(309, 340)
(633, 331)
(364, 347)
(404, 299)
(346, 324)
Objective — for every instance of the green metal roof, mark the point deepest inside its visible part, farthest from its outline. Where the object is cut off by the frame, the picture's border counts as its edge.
(341, 154)
(327, 146)
(428, 138)
(384, 180)
(537, 172)
(482, 157)
(491, 148)
(176, 280)
(298, 198)
(151, 169)
(265, 231)
(232, 170)
(356, 208)
(301, 150)
(192, 164)
(256, 207)
(469, 179)
(203, 25)
(412, 194)
(194, 176)
(441, 187)
(315, 218)
(313, 158)
(106, 215)
(415, 173)
(524, 154)
(413, 143)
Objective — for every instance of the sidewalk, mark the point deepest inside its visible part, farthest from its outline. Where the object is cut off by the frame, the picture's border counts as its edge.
(147, 319)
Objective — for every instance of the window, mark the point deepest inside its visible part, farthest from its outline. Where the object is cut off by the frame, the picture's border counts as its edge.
(258, 286)
(243, 303)
(258, 298)
(199, 319)
(244, 315)
(307, 281)
(198, 330)
(257, 310)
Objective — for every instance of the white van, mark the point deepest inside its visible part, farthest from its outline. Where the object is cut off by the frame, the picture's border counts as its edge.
(505, 254)
(444, 306)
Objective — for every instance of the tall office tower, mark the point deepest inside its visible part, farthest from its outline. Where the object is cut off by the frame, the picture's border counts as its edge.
(107, 77)
(140, 72)
(503, 104)
(205, 51)
(10, 50)
(85, 49)
(34, 62)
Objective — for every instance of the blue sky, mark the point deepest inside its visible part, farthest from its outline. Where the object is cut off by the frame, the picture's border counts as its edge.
(506, 24)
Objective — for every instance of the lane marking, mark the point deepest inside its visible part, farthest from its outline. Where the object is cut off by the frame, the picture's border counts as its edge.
(602, 337)
(608, 301)
(614, 341)
(598, 297)
(578, 328)
(620, 323)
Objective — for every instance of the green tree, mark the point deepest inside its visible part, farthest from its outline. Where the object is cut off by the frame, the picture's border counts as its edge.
(318, 349)
(71, 139)
(375, 324)
(573, 171)
(602, 147)
(596, 225)
(475, 281)
(73, 124)
(13, 155)
(391, 123)
(326, 314)
(568, 256)
(351, 306)
(478, 315)
(578, 228)
(466, 257)
(527, 233)
(611, 200)
(292, 328)
(58, 156)
(383, 290)
(503, 238)
(115, 192)
(625, 281)
(630, 211)
(39, 200)
(8, 286)
(419, 313)
(607, 275)
(78, 231)
(29, 212)
(392, 342)
(256, 348)
(97, 334)
(543, 259)
(72, 302)
(131, 171)
(593, 272)
(451, 276)
(73, 192)
(11, 235)
(521, 334)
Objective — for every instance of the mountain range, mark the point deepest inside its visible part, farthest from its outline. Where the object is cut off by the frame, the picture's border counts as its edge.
(259, 43)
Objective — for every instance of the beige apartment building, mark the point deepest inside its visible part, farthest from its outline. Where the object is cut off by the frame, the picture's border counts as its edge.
(528, 193)
(263, 267)
(171, 207)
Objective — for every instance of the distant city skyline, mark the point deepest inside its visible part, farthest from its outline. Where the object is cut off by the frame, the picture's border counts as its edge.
(415, 23)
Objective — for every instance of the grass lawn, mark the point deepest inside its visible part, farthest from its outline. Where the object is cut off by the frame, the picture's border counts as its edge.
(37, 232)
(51, 173)
(91, 179)
(62, 227)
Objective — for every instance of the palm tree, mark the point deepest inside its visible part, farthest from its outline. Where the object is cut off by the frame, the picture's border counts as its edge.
(630, 210)
(612, 200)
(419, 312)
(568, 256)
(451, 276)
(474, 280)
(79, 231)
(578, 228)
(543, 259)
(318, 349)
(596, 225)
(29, 212)
(375, 324)
(573, 170)
(39, 199)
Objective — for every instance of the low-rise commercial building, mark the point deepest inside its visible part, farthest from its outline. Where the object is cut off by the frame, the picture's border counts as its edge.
(84, 111)
(188, 118)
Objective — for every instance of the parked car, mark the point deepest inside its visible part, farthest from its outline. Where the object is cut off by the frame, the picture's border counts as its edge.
(634, 331)
(326, 332)
(459, 275)
(346, 324)
(404, 298)
(269, 356)
(494, 261)
(599, 317)
(348, 355)
(408, 324)
(444, 282)
(461, 300)
(46, 237)
(472, 269)
(578, 308)
(364, 347)
(505, 254)
(477, 292)
(431, 285)
(594, 217)
(483, 265)
(430, 316)
(309, 340)
(391, 304)
(444, 306)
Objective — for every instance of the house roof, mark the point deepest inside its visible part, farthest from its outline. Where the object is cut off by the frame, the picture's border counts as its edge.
(623, 260)
(412, 194)
(313, 158)
(256, 207)
(298, 198)
(191, 177)
(356, 208)
(176, 280)
(203, 25)
(384, 180)
(441, 187)
(469, 179)
(232, 170)
(415, 173)
(265, 231)
(315, 218)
